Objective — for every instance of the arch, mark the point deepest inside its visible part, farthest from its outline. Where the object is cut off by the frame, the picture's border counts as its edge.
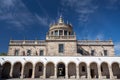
(28, 68)
(49, 69)
(72, 70)
(83, 70)
(60, 69)
(6, 70)
(105, 70)
(116, 70)
(94, 70)
(39, 68)
(17, 70)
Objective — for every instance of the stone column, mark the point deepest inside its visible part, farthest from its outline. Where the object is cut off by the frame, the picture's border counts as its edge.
(33, 71)
(63, 32)
(88, 72)
(110, 71)
(11, 70)
(66, 72)
(22, 72)
(55, 74)
(77, 69)
(44, 72)
(67, 33)
(99, 72)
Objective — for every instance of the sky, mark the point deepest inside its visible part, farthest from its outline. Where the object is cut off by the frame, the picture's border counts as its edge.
(30, 19)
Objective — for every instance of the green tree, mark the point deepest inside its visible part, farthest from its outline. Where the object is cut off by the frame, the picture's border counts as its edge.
(3, 54)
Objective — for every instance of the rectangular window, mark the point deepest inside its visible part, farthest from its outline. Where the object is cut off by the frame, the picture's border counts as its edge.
(105, 52)
(61, 48)
(60, 32)
(16, 52)
(28, 52)
(56, 33)
(65, 32)
(41, 52)
(92, 52)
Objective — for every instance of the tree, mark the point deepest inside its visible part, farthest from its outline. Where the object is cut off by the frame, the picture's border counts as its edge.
(3, 54)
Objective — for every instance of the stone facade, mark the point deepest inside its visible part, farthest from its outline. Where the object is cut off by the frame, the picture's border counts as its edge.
(61, 33)
(60, 56)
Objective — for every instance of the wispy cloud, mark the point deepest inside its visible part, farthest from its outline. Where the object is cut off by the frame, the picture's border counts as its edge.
(83, 7)
(43, 20)
(15, 12)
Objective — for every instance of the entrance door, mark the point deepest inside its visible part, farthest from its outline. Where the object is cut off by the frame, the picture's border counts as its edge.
(92, 73)
(30, 73)
(61, 70)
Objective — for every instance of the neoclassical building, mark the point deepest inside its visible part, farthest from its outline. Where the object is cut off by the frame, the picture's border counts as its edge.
(60, 56)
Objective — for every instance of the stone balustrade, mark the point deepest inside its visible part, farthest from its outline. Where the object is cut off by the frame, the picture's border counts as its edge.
(27, 42)
(68, 37)
(94, 42)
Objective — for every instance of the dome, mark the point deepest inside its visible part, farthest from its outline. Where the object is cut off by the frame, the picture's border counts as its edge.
(60, 30)
(61, 25)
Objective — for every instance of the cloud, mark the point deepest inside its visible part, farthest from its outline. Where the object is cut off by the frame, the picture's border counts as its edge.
(16, 13)
(43, 20)
(112, 4)
(117, 48)
(83, 7)
(100, 36)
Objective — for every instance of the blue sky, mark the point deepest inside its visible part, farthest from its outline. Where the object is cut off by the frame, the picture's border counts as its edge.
(30, 19)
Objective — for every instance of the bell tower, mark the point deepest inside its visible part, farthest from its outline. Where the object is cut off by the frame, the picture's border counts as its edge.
(61, 39)
(61, 31)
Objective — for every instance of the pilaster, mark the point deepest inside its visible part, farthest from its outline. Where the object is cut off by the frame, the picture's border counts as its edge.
(44, 72)
(11, 70)
(77, 69)
(22, 71)
(88, 72)
(33, 72)
(66, 75)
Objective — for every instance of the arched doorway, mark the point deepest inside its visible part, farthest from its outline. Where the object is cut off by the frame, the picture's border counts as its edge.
(116, 70)
(6, 70)
(17, 70)
(72, 70)
(28, 70)
(50, 70)
(93, 70)
(61, 70)
(105, 70)
(39, 68)
(83, 70)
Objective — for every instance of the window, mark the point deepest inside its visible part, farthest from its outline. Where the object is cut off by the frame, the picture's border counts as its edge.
(41, 52)
(92, 52)
(60, 32)
(83, 68)
(65, 32)
(40, 68)
(16, 52)
(28, 52)
(61, 48)
(56, 33)
(105, 52)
